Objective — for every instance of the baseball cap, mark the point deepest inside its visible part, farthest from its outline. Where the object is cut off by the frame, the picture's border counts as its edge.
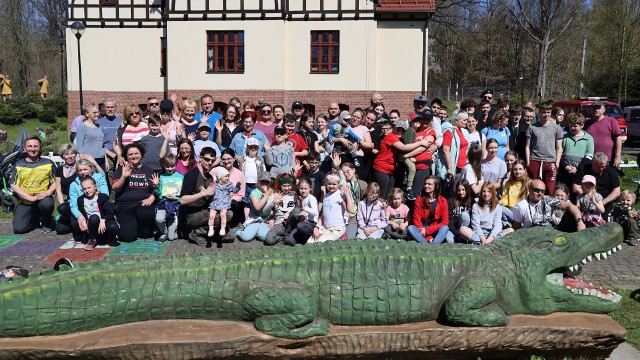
(589, 179)
(486, 92)
(598, 103)
(344, 115)
(204, 125)
(166, 105)
(427, 114)
(279, 130)
(420, 98)
(39, 129)
(402, 124)
(252, 142)
(297, 104)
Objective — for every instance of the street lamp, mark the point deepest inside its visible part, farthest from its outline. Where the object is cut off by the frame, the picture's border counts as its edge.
(77, 28)
(61, 43)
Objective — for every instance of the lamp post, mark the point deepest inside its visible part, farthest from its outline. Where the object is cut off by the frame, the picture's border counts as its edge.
(61, 43)
(77, 28)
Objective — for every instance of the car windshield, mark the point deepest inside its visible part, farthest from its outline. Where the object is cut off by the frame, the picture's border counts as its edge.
(609, 110)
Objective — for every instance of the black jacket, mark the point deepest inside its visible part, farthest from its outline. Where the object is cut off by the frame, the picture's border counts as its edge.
(106, 207)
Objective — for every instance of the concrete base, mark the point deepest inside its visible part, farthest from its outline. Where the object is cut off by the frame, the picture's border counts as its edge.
(552, 336)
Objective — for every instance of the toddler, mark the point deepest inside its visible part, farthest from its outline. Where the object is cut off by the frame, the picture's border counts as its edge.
(590, 203)
(624, 214)
(398, 215)
(221, 201)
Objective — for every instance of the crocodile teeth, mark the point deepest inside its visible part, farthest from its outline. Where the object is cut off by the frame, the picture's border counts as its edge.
(598, 256)
(609, 252)
(584, 261)
(572, 268)
(604, 255)
(619, 247)
(615, 249)
(589, 258)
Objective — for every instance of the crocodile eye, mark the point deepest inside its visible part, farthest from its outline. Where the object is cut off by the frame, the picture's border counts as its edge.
(560, 241)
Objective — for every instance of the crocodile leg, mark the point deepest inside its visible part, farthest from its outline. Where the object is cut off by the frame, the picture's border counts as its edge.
(473, 303)
(286, 312)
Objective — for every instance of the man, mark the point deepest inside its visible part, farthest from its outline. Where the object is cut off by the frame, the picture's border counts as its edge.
(153, 107)
(297, 109)
(334, 114)
(536, 210)
(605, 132)
(109, 124)
(195, 196)
(207, 114)
(544, 149)
(32, 180)
(419, 106)
(376, 99)
(607, 180)
(520, 121)
(484, 114)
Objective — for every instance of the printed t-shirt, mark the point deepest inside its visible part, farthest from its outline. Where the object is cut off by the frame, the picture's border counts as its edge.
(137, 186)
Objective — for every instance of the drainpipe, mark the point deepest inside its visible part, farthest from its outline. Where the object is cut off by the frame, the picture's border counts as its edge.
(165, 17)
(424, 54)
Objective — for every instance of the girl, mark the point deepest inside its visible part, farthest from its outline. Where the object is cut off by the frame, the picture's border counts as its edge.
(285, 213)
(278, 115)
(281, 155)
(252, 167)
(259, 217)
(562, 194)
(472, 172)
(221, 200)
(357, 189)
(336, 204)
(474, 135)
(372, 218)
(186, 159)
(493, 168)
(499, 131)
(308, 216)
(509, 159)
(430, 215)
(325, 147)
(459, 210)
(486, 218)
(97, 211)
(516, 188)
(590, 203)
(397, 215)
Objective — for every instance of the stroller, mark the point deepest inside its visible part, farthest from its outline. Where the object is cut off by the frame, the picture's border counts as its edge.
(11, 153)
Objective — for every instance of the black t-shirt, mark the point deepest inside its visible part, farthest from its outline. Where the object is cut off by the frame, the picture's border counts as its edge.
(137, 186)
(310, 138)
(193, 183)
(605, 182)
(65, 182)
(317, 179)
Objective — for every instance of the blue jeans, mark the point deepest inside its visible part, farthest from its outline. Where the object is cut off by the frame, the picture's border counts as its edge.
(257, 230)
(465, 220)
(440, 236)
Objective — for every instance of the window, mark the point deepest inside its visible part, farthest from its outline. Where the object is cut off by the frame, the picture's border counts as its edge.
(225, 51)
(325, 52)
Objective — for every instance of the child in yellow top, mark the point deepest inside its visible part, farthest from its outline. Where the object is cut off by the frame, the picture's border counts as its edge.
(516, 188)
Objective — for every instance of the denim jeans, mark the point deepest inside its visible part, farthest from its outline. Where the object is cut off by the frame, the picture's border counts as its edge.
(465, 220)
(257, 230)
(438, 238)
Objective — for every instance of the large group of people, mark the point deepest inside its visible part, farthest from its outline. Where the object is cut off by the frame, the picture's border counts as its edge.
(470, 174)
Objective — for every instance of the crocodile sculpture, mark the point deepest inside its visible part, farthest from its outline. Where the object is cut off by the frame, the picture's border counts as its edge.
(298, 292)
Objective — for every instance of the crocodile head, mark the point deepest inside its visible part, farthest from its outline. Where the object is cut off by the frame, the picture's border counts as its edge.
(541, 255)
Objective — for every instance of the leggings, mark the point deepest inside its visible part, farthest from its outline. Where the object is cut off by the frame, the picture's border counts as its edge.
(93, 224)
(386, 182)
(418, 181)
(136, 221)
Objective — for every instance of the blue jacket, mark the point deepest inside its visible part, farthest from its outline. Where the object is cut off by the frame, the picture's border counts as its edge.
(238, 143)
(75, 191)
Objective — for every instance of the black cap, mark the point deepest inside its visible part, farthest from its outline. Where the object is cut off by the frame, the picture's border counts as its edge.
(166, 105)
(427, 114)
(486, 92)
(279, 130)
(297, 104)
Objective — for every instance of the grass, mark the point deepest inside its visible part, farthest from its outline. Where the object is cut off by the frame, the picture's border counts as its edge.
(629, 315)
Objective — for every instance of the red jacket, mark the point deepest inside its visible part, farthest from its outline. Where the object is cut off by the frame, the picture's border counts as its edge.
(422, 210)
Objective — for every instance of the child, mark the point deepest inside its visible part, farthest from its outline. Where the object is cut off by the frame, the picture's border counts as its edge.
(486, 217)
(459, 210)
(509, 158)
(300, 148)
(168, 186)
(308, 217)
(257, 222)
(97, 211)
(221, 201)
(397, 215)
(285, 200)
(577, 147)
(624, 214)
(203, 141)
(562, 194)
(280, 156)
(252, 167)
(336, 204)
(590, 203)
(372, 217)
(315, 175)
(516, 188)
(155, 144)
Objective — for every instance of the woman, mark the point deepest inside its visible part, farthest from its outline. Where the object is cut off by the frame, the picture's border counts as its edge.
(235, 101)
(65, 176)
(238, 143)
(499, 131)
(249, 106)
(379, 109)
(186, 156)
(90, 138)
(266, 124)
(135, 197)
(430, 215)
(472, 171)
(384, 165)
(228, 126)
(188, 122)
(261, 203)
(474, 135)
(84, 167)
(236, 176)
(346, 142)
(278, 115)
(493, 168)
(132, 127)
(455, 142)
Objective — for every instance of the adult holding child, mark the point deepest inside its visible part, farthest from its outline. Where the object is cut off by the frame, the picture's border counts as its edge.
(84, 168)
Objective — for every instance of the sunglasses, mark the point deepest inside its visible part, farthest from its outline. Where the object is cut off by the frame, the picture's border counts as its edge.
(209, 160)
(266, 111)
(135, 114)
(154, 104)
(536, 190)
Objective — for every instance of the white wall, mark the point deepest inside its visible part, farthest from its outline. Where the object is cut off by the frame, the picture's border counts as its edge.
(399, 56)
(115, 59)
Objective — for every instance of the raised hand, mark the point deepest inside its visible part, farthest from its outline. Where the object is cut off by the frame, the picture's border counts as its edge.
(192, 137)
(126, 170)
(205, 118)
(155, 179)
(173, 97)
(266, 145)
(336, 160)
(345, 189)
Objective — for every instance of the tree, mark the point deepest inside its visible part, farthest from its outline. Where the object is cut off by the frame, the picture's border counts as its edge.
(16, 19)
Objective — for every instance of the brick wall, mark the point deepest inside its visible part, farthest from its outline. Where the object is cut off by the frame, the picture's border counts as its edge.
(401, 100)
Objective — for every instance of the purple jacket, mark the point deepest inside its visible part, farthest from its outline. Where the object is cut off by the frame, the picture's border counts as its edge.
(371, 215)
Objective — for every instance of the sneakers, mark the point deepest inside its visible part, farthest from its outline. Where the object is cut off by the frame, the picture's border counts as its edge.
(633, 242)
(222, 232)
(46, 230)
(211, 232)
(197, 239)
(162, 239)
(90, 245)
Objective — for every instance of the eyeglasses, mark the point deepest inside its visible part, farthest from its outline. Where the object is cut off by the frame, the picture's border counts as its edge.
(154, 104)
(137, 113)
(536, 190)
(227, 159)
(266, 111)
(488, 97)
(209, 160)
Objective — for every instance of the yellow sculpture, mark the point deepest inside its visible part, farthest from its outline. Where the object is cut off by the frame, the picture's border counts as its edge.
(5, 84)
(44, 87)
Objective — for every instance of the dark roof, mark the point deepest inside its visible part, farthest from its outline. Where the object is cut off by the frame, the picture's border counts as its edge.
(406, 6)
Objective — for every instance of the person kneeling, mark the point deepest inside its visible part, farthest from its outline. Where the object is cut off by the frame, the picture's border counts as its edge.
(98, 213)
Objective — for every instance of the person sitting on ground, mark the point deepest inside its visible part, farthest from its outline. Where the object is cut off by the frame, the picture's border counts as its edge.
(308, 216)
(79, 225)
(430, 215)
(460, 207)
(607, 180)
(261, 202)
(372, 218)
(285, 213)
(397, 215)
(97, 212)
(627, 216)
(537, 208)
(590, 203)
(486, 218)
(336, 204)
(32, 180)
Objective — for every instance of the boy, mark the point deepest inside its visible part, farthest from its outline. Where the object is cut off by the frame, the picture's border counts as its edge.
(155, 145)
(280, 156)
(300, 147)
(168, 187)
(577, 147)
(316, 176)
(203, 141)
(624, 214)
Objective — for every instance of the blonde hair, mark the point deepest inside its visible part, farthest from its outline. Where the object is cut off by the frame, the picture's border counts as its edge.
(396, 192)
(627, 194)
(493, 203)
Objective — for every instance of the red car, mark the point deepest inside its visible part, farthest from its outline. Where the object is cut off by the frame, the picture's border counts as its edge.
(583, 105)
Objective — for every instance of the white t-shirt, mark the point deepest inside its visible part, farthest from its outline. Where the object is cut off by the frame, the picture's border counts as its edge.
(250, 170)
(333, 213)
(468, 174)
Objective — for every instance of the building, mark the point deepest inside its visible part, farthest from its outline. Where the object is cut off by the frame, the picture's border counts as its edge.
(315, 51)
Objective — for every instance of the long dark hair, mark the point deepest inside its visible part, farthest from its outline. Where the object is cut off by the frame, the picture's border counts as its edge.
(468, 198)
(436, 187)
(192, 157)
(474, 156)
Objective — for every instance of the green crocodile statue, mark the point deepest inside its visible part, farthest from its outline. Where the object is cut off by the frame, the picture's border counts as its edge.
(298, 292)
